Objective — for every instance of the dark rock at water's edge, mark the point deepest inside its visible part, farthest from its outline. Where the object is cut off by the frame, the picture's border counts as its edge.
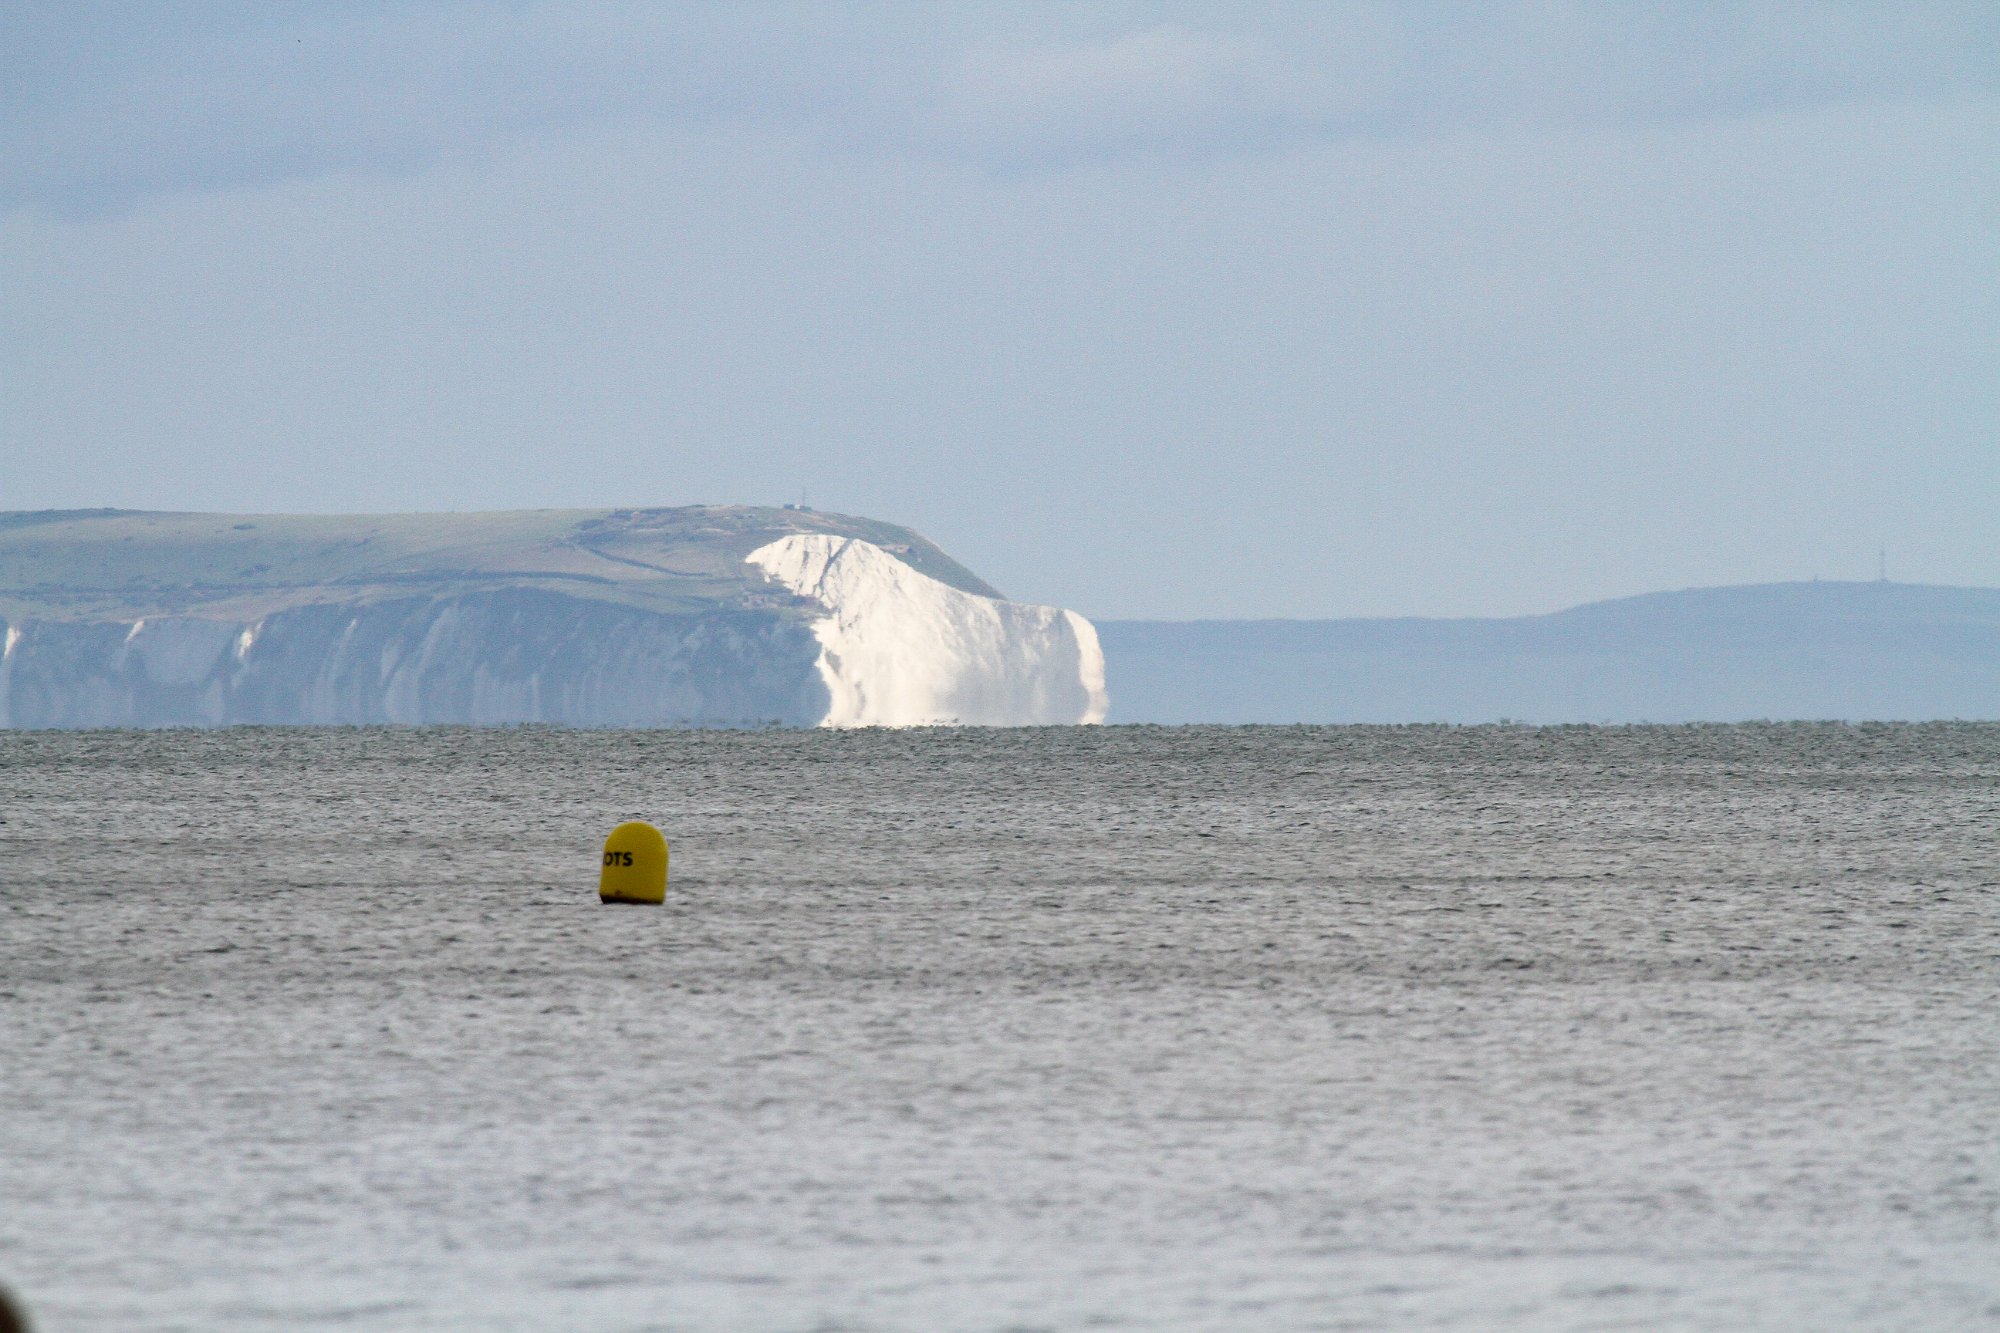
(1856, 651)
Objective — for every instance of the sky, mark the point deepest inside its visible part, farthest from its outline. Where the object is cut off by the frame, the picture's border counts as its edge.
(1151, 310)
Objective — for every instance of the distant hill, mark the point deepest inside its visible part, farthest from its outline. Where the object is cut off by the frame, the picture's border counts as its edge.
(1785, 650)
(119, 564)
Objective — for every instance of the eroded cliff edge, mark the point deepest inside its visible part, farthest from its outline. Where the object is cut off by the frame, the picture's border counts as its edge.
(643, 617)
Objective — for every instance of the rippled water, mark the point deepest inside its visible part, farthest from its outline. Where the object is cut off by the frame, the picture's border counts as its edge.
(1205, 1028)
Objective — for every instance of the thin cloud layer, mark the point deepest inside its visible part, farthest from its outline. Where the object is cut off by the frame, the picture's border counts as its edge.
(1164, 89)
(109, 104)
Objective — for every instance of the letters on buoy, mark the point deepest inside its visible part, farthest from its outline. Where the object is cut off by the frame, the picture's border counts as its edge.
(635, 865)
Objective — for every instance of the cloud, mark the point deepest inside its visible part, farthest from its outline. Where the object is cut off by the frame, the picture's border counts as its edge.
(251, 102)
(106, 104)
(1164, 87)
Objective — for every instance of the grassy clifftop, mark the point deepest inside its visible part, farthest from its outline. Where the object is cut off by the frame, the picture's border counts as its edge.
(111, 564)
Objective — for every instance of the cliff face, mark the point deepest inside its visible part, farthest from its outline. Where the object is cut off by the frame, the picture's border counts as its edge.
(503, 657)
(627, 618)
(900, 649)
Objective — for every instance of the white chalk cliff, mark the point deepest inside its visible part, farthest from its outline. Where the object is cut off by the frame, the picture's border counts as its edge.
(705, 615)
(899, 648)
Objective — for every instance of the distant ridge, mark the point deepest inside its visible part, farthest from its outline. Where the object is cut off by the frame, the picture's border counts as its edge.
(109, 564)
(1857, 651)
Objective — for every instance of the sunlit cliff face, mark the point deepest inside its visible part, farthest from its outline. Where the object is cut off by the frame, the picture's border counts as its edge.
(899, 648)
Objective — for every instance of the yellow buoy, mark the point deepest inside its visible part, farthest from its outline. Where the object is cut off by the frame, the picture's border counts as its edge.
(635, 865)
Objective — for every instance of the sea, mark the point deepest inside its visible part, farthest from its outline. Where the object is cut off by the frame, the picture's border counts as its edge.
(1262, 1028)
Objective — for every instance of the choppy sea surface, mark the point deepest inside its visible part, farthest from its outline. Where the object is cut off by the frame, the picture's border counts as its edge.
(1206, 1028)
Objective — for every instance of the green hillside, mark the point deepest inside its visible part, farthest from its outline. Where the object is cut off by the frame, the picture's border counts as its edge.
(111, 564)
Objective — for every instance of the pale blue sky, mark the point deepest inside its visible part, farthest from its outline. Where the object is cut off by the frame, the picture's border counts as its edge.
(1147, 309)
